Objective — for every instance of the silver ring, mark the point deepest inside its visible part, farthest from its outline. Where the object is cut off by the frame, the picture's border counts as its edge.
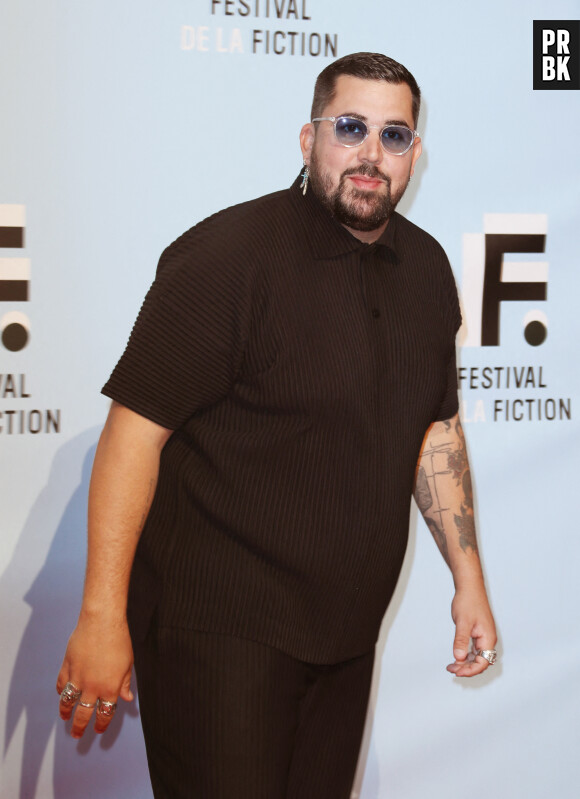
(105, 708)
(70, 694)
(87, 704)
(489, 654)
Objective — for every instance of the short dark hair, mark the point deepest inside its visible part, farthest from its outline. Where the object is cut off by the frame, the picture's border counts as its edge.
(369, 66)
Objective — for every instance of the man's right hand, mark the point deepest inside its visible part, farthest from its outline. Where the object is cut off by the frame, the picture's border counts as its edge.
(98, 661)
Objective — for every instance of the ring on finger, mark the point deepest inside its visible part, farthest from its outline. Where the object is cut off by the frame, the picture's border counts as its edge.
(488, 654)
(70, 694)
(87, 704)
(105, 708)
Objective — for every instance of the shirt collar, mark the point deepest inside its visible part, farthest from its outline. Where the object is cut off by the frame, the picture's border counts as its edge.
(325, 236)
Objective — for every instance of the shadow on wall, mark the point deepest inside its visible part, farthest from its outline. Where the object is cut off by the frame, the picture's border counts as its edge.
(112, 765)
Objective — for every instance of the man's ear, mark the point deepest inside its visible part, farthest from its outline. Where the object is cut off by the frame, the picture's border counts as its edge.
(417, 150)
(307, 141)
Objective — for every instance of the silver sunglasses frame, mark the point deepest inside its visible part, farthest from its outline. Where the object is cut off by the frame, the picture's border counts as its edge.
(380, 128)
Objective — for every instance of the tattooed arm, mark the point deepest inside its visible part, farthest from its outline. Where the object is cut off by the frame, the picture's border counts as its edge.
(444, 496)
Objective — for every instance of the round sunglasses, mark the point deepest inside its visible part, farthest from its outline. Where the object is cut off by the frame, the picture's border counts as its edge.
(351, 132)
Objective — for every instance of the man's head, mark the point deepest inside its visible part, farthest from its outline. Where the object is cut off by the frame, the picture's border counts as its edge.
(368, 66)
(362, 183)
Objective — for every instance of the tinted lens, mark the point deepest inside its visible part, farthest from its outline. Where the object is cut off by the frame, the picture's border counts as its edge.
(396, 139)
(350, 131)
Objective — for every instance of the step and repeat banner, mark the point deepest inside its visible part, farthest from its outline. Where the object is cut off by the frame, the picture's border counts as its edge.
(123, 124)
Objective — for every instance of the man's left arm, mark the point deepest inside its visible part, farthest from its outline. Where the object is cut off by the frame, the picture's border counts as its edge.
(444, 495)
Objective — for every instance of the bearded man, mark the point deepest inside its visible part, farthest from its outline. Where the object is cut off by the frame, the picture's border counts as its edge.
(289, 383)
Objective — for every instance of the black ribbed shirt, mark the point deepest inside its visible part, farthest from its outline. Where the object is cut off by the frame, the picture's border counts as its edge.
(300, 370)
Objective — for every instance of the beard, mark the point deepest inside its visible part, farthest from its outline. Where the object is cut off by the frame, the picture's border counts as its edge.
(352, 207)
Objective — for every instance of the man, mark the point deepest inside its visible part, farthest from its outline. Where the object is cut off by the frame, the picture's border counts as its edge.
(292, 363)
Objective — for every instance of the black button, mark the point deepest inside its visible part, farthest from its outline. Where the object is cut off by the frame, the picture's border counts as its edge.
(376, 313)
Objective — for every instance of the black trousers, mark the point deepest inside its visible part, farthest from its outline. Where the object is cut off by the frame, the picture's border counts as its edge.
(227, 718)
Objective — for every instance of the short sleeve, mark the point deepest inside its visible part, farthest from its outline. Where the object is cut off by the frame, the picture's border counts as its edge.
(450, 301)
(450, 404)
(187, 343)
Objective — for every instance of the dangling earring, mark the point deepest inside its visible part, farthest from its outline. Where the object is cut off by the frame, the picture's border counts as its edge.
(305, 176)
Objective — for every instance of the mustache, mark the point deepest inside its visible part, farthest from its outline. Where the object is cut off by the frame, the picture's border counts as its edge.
(368, 171)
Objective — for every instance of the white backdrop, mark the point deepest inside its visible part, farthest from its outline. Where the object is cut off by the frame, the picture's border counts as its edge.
(124, 123)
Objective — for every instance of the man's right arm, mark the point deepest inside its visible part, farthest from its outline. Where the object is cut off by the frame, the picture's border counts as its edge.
(99, 655)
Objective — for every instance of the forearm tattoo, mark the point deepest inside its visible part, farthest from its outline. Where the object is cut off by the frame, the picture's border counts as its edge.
(424, 499)
(445, 459)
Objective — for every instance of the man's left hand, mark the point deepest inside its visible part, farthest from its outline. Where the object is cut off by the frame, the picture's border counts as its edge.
(474, 625)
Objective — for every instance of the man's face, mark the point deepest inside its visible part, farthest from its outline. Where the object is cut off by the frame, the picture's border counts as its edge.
(361, 186)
